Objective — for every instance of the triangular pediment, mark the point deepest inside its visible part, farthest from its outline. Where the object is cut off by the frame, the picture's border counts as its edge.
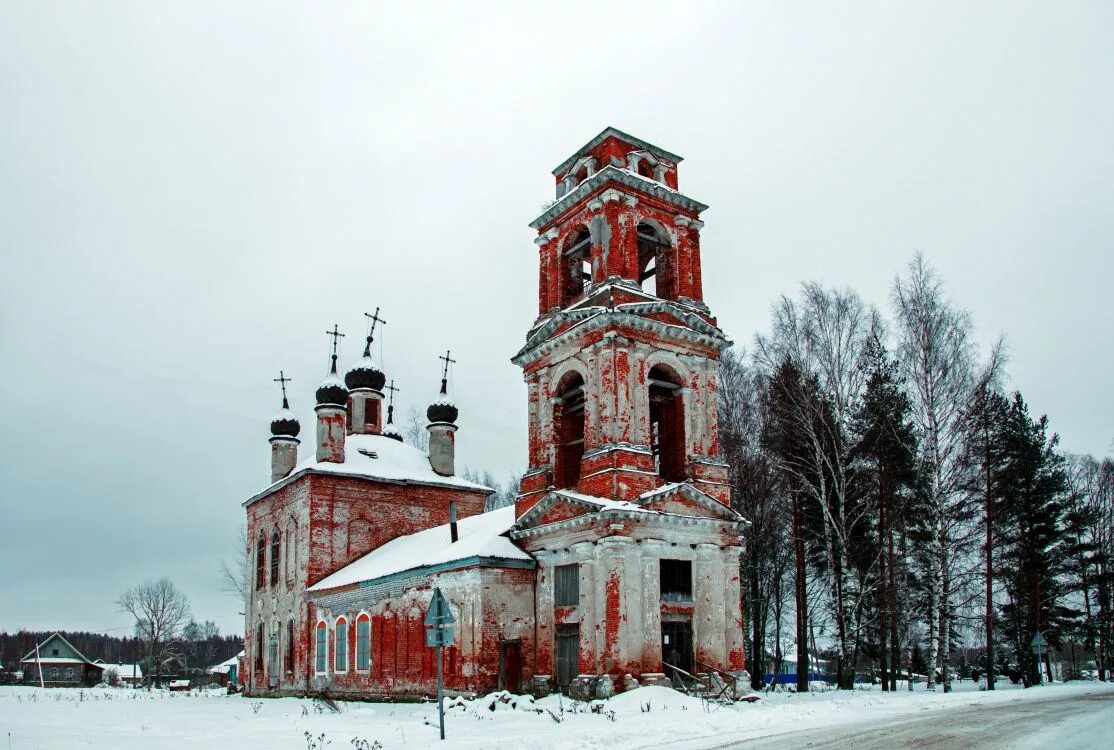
(555, 507)
(682, 499)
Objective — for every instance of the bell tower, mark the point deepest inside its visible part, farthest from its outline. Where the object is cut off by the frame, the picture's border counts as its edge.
(621, 364)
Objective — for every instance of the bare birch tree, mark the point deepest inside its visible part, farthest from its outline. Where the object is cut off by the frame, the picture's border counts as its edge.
(160, 610)
(937, 358)
(824, 337)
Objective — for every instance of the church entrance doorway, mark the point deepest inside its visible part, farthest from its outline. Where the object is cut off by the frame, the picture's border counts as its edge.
(510, 666)
(568, 655)
(676, 648)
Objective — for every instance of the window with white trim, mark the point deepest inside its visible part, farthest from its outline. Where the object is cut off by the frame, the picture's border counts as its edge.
(363, 643)
(322, 661)
(340, 650)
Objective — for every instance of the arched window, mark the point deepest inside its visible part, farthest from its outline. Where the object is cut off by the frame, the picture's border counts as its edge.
(363, 643)
(260, 561)
(259, 648)
(321, 663)
(577, 266)
(645, 168)
(667, 424)
(655, 271)
(568, 427)
(276, 554)
(340, 650)
(582, 174)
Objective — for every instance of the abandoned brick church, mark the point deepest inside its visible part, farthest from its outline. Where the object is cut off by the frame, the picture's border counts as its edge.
(618, 562)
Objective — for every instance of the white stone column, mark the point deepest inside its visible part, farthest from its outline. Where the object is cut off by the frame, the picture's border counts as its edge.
(584, 553)
(734, 623)
(652, 552)
(610, 609)
(546, 626)
(708, 620)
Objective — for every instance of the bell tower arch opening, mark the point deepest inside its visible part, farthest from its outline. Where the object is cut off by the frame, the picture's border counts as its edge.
(576, 261)
(568, 430)
(667, 423)
(654, 262)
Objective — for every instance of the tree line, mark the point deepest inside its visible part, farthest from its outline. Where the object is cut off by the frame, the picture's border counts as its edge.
(904, 504)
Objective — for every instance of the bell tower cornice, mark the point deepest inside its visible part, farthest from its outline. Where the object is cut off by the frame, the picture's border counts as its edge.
(626, 184)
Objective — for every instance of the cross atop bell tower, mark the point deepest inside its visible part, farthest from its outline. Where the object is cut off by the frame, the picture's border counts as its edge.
(622, 361)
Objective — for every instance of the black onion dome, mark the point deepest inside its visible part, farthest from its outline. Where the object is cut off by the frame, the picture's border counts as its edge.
(441, 412)
(442, 409)
(285, 424)
(392, 432)
(332, 390)
(365, 375)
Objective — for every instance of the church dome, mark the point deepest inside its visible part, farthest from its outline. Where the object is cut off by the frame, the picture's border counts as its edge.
(285, 424)
(365, 375)
(442, 410)
(332, 389)
(392, 432)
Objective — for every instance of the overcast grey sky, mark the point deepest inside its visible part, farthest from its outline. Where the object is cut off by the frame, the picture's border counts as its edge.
(191, 193)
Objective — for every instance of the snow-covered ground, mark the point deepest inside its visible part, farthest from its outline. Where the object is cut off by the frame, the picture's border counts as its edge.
(125, 719)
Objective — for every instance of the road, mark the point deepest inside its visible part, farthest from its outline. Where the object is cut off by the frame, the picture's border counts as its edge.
(1081, 721)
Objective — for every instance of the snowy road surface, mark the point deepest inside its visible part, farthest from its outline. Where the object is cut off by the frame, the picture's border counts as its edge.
(1062, 717)
(1084, 722)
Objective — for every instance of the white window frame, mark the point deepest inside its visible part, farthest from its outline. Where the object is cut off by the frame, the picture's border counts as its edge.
(321, 624)
(365, 616)
(336, 640)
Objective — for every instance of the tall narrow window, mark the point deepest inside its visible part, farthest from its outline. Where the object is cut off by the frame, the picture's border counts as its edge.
(260, 562)
(289, 645)
(667, 424)
(568, 423)
(276, 549)
(291, 539)
(577, 264)
(655, 272)
(566, 585)
(322, 660)
(340, 650)
(363, 643)
(259, 648)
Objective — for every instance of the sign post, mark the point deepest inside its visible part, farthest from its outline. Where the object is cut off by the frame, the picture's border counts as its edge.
(1039, 645)
(439, 633)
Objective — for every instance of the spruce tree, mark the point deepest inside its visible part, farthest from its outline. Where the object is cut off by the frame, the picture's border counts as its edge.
(1034, 540)
(884, 457)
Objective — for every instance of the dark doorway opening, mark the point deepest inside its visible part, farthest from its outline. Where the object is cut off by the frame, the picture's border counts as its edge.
(510, 666)
(568, 655)
(676, 648)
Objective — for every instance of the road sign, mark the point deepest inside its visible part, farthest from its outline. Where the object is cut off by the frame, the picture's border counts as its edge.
(439, 633)
(438, 613)
(435, 637)
(1038, 644)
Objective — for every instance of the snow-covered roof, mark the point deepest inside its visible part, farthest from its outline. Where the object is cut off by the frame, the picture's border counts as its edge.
(604, 503)
(80, 658)
(227, 664)
(479, 536)
(122, 670)
(378, 457)
(55, 660)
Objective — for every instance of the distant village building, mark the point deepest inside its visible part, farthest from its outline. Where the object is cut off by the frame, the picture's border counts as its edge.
(126, 674)
(225, 673)
(619, 562)
(60, 664)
